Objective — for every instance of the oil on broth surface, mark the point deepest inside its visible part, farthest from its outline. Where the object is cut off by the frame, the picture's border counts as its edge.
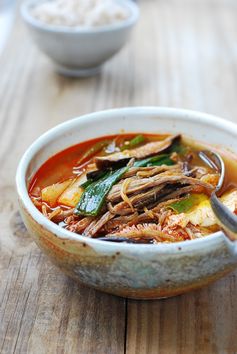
(161, 196)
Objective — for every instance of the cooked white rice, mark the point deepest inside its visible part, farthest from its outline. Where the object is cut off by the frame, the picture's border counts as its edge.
(86, 13)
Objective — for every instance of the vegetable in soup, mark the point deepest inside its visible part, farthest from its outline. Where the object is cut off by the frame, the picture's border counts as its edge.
(135, 188)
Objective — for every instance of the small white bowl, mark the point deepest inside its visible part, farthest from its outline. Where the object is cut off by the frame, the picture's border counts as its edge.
(80, 51)
(130, 270)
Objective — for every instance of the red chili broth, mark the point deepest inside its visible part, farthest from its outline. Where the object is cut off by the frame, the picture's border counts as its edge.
(60, 166)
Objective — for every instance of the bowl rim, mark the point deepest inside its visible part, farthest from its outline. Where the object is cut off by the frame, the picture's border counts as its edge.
(42, 140)
(128, 22)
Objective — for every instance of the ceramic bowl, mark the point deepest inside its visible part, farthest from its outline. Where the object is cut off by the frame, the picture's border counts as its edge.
(129, 270)
(80, 51)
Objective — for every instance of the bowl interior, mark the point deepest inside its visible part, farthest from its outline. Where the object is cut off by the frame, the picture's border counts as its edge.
(195, 125)
(199, 126)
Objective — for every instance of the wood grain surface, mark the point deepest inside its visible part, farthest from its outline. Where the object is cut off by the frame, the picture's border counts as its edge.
(182, 53)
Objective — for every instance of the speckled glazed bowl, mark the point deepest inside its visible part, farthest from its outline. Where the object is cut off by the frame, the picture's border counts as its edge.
(130, 270)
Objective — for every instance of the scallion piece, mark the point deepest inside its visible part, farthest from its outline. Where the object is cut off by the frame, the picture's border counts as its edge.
(137, 140)
(95, 148)
(157, 160)
(94, 195)
(178, 147)
(185, 205)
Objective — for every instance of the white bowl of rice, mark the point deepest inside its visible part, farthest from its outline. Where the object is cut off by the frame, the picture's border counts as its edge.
(80, 35)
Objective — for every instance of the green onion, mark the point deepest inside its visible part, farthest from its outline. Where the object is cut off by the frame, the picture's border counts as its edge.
(185, 205)
(95, 148)
(157, 160)
(178, 147)
(86, 184)
(94, 195)
(137, 140)
(95, 177)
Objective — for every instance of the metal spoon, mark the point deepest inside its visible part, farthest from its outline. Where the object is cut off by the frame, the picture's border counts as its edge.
(226, 219)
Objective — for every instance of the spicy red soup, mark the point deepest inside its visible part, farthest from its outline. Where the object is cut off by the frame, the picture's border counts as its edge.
(136, 188)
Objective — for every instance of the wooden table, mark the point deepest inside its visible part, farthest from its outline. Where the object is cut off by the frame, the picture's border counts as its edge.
(183, 53)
